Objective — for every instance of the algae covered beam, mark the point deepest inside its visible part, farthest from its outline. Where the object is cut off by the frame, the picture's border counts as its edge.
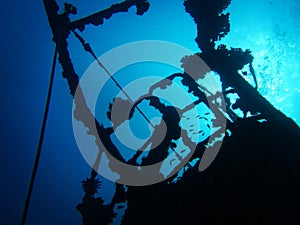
(98, 18)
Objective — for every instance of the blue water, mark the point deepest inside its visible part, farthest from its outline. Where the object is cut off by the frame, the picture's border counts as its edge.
(269, 28)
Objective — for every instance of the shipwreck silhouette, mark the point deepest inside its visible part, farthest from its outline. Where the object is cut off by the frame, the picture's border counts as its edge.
(255, 177)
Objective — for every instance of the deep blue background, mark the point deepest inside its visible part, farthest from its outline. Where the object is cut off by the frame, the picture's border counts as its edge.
(269, 28)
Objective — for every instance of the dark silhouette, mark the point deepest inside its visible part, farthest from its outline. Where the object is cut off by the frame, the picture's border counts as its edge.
(93, 209)
(255, 177)
(170, 119)
(98, 18)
